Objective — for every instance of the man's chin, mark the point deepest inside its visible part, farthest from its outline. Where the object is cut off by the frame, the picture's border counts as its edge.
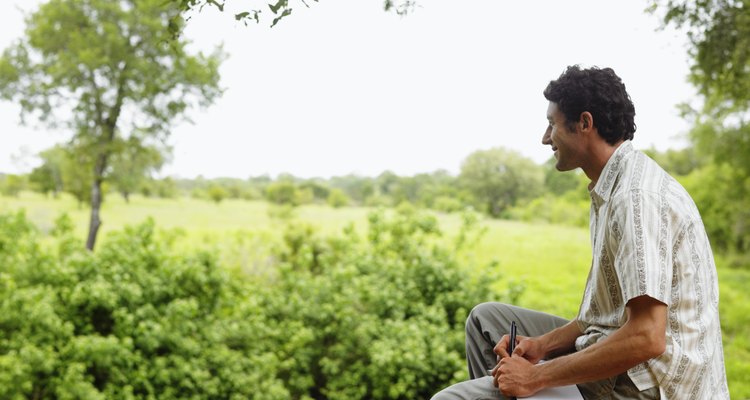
(563, 168)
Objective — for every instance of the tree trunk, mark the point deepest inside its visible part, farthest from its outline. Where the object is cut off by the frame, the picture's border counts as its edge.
(95, 223)
(96, 199)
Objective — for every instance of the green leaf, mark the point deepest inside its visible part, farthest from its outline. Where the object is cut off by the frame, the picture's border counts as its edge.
(286, 12)
(275, 8)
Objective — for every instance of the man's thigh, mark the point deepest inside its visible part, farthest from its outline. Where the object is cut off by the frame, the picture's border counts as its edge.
(475, 389)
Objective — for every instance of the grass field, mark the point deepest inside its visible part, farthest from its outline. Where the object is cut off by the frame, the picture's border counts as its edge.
(550, 261)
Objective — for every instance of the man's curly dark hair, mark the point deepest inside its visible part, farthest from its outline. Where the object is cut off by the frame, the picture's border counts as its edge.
(598, 91)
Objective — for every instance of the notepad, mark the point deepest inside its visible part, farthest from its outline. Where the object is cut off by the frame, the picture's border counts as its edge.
(555, 393)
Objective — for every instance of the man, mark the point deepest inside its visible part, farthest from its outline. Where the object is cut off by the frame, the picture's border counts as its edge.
(648, 324)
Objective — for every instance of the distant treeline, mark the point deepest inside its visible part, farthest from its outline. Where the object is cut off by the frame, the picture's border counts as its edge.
(491, 181)
(498, 182)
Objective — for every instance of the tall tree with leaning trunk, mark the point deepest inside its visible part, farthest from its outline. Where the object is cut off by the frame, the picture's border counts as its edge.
(107, 71)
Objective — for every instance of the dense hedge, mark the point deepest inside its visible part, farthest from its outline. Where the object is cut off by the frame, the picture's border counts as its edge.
(376, 316)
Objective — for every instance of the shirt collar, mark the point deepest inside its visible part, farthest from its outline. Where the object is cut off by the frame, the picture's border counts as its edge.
(604, 186)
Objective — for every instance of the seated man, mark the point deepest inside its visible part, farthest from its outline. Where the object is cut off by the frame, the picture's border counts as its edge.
(648, 324)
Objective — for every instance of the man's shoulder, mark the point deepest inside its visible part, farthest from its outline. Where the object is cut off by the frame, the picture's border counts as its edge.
(646, 188)
(641, 174)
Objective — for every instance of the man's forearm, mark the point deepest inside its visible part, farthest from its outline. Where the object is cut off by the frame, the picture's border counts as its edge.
(561, 340)
(640, 339)
(609, 357)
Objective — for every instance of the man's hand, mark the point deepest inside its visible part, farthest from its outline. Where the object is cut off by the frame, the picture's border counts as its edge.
(515, 377)
(527, 347)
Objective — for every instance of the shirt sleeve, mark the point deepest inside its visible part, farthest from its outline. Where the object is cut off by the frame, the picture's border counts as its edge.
(639, 239)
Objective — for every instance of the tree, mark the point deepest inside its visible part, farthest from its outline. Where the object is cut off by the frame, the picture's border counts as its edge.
(105, 70)
(11, 185)
(282, 192)
(133, 164)
(217, 193)
(677, 162)
(48, 177)
(555, 181)
(719, 35)
(358, 188)
(337, 198)
(498, 178)
(279, 9)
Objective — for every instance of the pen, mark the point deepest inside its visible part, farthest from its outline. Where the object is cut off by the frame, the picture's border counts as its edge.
(512, 342)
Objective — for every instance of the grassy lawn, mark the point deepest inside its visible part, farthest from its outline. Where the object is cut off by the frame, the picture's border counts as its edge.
(551, 261)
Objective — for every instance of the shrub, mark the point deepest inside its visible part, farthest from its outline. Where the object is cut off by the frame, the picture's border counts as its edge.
(566, 210)
(374, 316)
(134, 320)
(217, 193)
(337, 198)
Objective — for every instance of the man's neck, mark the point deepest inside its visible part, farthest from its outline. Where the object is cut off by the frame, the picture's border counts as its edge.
(600, 152)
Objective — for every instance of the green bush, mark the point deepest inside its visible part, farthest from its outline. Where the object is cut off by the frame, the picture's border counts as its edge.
(447, 204)
(377, 317)
(720, 193)
(132, 321)
(217, 193)
(337, 198)
(564, 210)
(374, 316)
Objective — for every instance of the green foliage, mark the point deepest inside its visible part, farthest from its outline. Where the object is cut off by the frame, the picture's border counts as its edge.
(677, 162)
(498, 178)
(282, 192)
(557, 182)
(719, 33)
(135, 320)
(319, 189)
(550, 261)
(337, 198)
(65, 170)
(11, 185)
(279, 10)
(97, 58)
(163, 188)
(378, 316)
(217, 193)
(356, 187)
(720, 192)
(132, 163)
(45, 179)
(369, 309)
(282, 212)
(555, 210)
(735, 324)
(447, 204)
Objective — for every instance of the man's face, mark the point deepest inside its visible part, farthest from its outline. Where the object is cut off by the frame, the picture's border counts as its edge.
(565, 143)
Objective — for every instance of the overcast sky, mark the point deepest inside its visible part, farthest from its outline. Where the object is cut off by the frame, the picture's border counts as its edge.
(343, 87)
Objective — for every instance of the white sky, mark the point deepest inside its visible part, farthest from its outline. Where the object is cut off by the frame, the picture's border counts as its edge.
(343, 87)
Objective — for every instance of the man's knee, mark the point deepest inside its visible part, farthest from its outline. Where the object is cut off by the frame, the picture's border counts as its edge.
(484, 311)
(443, 396)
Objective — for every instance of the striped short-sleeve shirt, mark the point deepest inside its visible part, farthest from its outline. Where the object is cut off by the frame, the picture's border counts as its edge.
(648, 239)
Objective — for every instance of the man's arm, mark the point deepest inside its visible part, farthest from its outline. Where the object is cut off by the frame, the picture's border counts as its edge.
(642, 338)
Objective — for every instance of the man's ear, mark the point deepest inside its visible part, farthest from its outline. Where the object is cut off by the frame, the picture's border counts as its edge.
(586, 121)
